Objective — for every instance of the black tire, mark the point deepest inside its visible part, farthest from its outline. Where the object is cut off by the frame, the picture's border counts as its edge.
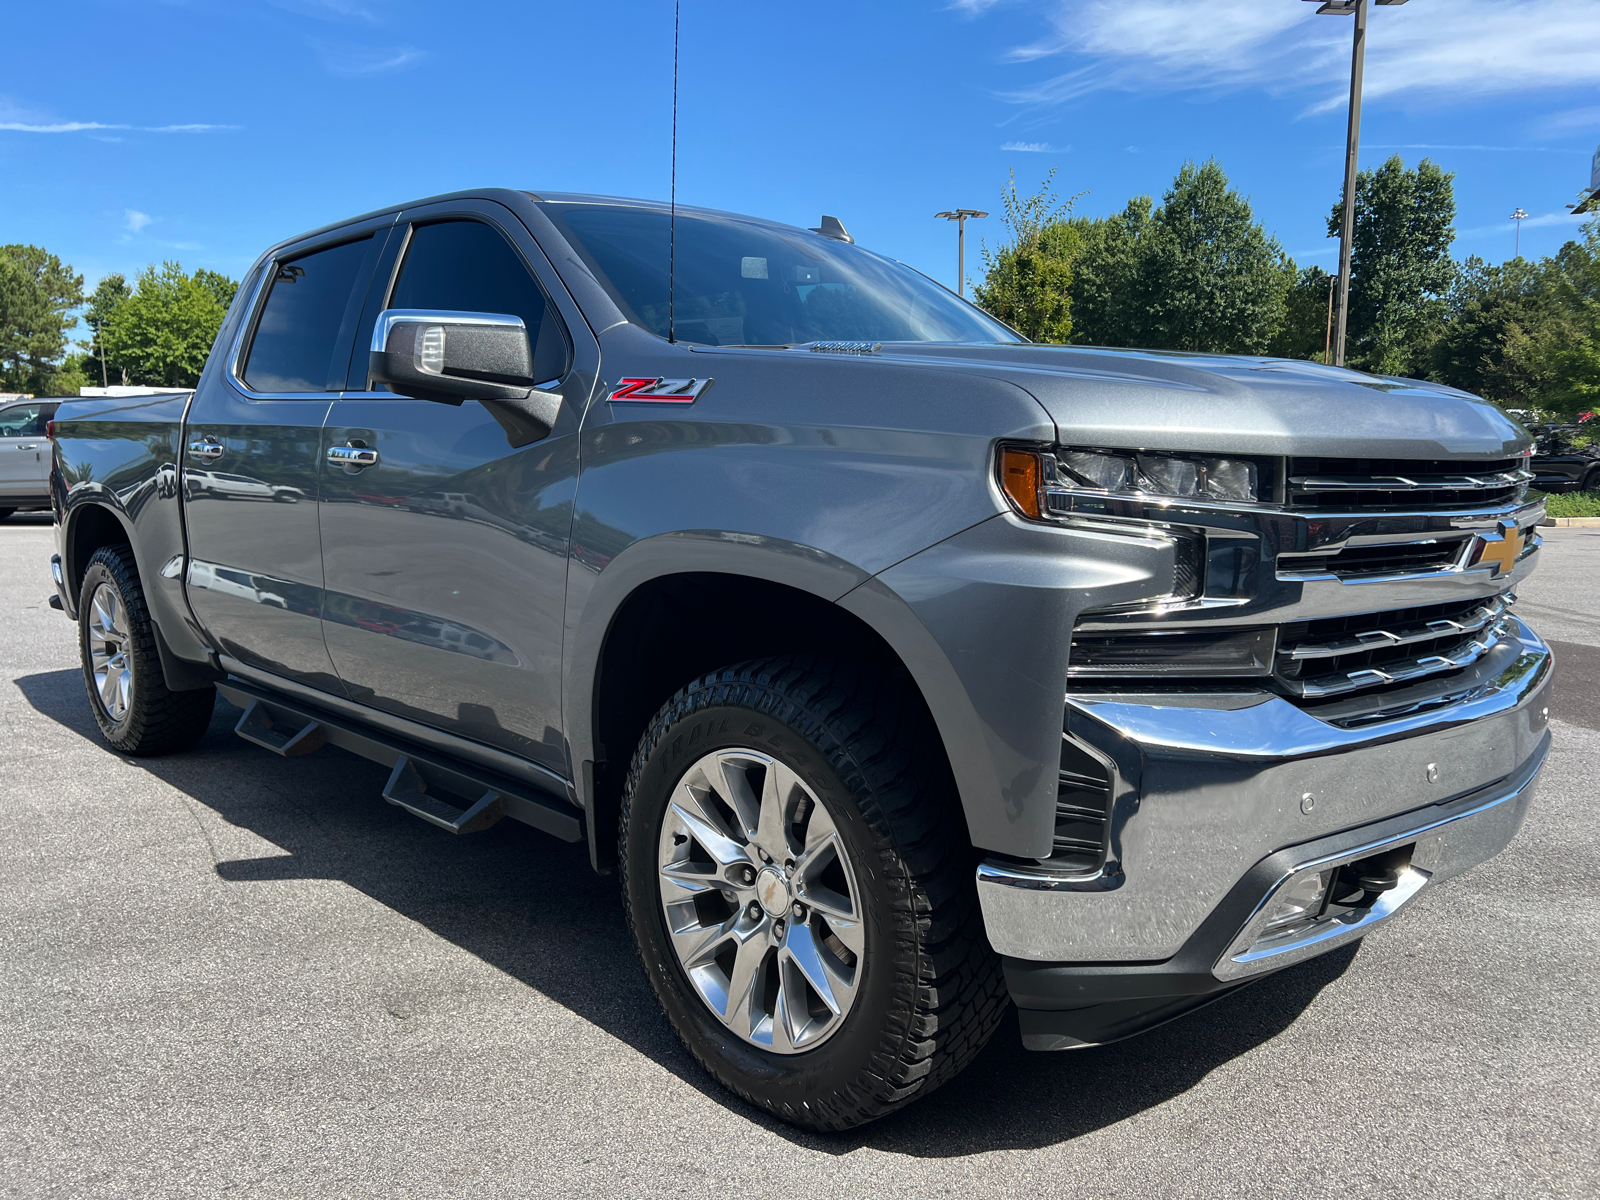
(1591, 480)
(932, 992)
(155, 720)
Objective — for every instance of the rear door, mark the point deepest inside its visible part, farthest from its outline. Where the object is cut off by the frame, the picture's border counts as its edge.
(22, 452)
(446, 560)
(251, 463)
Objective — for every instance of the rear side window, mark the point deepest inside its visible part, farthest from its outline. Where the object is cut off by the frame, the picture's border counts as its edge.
(299, 327)
(466, 266)
(22, 420)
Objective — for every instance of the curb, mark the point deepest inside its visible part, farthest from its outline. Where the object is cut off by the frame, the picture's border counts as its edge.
(1579, 522)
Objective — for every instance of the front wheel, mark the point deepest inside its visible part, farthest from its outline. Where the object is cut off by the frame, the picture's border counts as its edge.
(800, 889)
(128, 693)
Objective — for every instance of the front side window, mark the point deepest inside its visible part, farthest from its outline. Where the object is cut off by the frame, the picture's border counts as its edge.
(22, 420)
(467, 266)
(298, 332)
(743, 282)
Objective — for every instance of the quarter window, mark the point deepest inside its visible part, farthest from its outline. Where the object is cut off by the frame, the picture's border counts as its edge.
(298, 331)
(467, 266)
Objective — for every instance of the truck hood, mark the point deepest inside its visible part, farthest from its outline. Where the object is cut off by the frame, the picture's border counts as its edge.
(1160, 400)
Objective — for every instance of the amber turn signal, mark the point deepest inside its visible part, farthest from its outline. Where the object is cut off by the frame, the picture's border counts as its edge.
(1019, 478)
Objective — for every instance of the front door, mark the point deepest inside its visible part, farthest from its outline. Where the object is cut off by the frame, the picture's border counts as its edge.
(446, 559)
(251, 463)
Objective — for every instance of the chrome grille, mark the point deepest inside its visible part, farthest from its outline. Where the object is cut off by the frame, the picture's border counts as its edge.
(1363, 562)
(1340, 655)
(1409, 485)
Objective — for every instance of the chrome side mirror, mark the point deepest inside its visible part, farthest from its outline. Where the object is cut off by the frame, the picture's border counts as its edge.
(451, 357)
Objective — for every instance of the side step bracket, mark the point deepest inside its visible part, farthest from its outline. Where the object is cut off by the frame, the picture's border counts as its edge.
(409, 788)
(290, 737)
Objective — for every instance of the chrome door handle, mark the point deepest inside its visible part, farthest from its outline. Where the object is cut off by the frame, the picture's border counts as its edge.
(206, 449)
(352, 457)
(29, 446)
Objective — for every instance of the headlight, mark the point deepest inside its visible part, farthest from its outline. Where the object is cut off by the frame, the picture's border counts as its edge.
(1046, 483)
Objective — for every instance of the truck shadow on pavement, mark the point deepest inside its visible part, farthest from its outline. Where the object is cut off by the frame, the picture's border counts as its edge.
(531, 907)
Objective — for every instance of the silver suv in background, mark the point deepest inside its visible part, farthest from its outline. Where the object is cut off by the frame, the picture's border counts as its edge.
(901, 670)
(25, 455)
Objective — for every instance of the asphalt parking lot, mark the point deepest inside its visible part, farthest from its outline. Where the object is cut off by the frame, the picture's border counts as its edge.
(228, 973)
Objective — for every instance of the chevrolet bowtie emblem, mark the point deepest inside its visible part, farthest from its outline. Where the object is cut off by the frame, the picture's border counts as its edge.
(1502, 550)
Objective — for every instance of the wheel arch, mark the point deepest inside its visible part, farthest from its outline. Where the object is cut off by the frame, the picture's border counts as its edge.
(676, 610)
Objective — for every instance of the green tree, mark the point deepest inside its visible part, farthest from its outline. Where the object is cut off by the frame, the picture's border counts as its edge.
(1400, 265)
(108, 296)
(1197, 273)
(1109, 307)
(1305, 317)
(1213, 278)
(219, 285)
(37, 295)
(1027, 281)
(160, 336)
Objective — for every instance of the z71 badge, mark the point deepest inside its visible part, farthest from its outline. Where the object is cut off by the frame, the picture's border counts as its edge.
(661, 391)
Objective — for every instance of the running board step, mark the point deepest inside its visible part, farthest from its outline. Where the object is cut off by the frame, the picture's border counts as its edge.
(290, 738)
(443, 790)
(429, 791)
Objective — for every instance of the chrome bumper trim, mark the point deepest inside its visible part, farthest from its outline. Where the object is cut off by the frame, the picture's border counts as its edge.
(1208, 785)
(1445, 847)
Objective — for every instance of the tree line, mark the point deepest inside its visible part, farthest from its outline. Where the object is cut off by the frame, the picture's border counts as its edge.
(157, 332)
(1198, 272)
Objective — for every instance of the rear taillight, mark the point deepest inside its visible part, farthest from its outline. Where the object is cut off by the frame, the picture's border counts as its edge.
(50, 430)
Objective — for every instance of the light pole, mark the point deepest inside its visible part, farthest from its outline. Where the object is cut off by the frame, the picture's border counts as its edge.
(1358, 51)
(959, 216)
(1519, 217)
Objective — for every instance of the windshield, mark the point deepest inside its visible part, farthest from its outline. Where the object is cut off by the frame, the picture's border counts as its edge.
(742, 282)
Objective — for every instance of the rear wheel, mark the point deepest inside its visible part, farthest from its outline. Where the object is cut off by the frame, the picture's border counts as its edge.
(800, 889)
(136, 711)
(1591, 481)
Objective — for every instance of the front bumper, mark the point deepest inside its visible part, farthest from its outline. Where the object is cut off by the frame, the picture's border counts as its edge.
(1214, 797)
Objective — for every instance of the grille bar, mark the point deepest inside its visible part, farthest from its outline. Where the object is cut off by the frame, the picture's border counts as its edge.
(1404, 635)
(1400, 483)
(1388, 485)
(1405, 670)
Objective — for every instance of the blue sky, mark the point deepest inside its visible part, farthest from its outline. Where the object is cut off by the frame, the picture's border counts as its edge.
(203, 130)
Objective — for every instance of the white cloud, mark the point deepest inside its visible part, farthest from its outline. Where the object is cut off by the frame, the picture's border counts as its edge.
(134, 220)
(1507, 226)
(352, 61)
(1574, 120)
(16, 118)
(1035, 147)
(1468, 47)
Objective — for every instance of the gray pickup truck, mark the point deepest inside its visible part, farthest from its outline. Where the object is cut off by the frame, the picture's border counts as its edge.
(900, 669)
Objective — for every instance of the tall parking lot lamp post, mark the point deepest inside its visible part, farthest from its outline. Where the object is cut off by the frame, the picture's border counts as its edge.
(959, 216)
(1358, 50)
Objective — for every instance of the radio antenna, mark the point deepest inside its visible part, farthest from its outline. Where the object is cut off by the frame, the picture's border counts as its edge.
(672, 218)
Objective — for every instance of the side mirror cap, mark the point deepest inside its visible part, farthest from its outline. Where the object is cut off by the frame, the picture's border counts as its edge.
(450, 357)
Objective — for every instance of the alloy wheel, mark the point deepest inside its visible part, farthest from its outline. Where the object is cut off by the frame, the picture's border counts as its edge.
(110, 662)
(761, 900)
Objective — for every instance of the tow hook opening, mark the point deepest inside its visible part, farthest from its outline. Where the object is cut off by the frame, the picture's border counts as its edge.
(1359, 885)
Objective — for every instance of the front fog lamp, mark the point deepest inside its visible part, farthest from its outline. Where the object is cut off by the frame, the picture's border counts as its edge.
(1297, 902)
(1138, 473)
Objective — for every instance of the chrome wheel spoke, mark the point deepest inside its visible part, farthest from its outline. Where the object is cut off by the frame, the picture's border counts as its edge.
(729, 780)
(746, 977)
(777, 799)
(704, 827)
(801, 947)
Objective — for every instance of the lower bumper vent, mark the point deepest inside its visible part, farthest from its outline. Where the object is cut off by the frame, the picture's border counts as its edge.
(1083, 804)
